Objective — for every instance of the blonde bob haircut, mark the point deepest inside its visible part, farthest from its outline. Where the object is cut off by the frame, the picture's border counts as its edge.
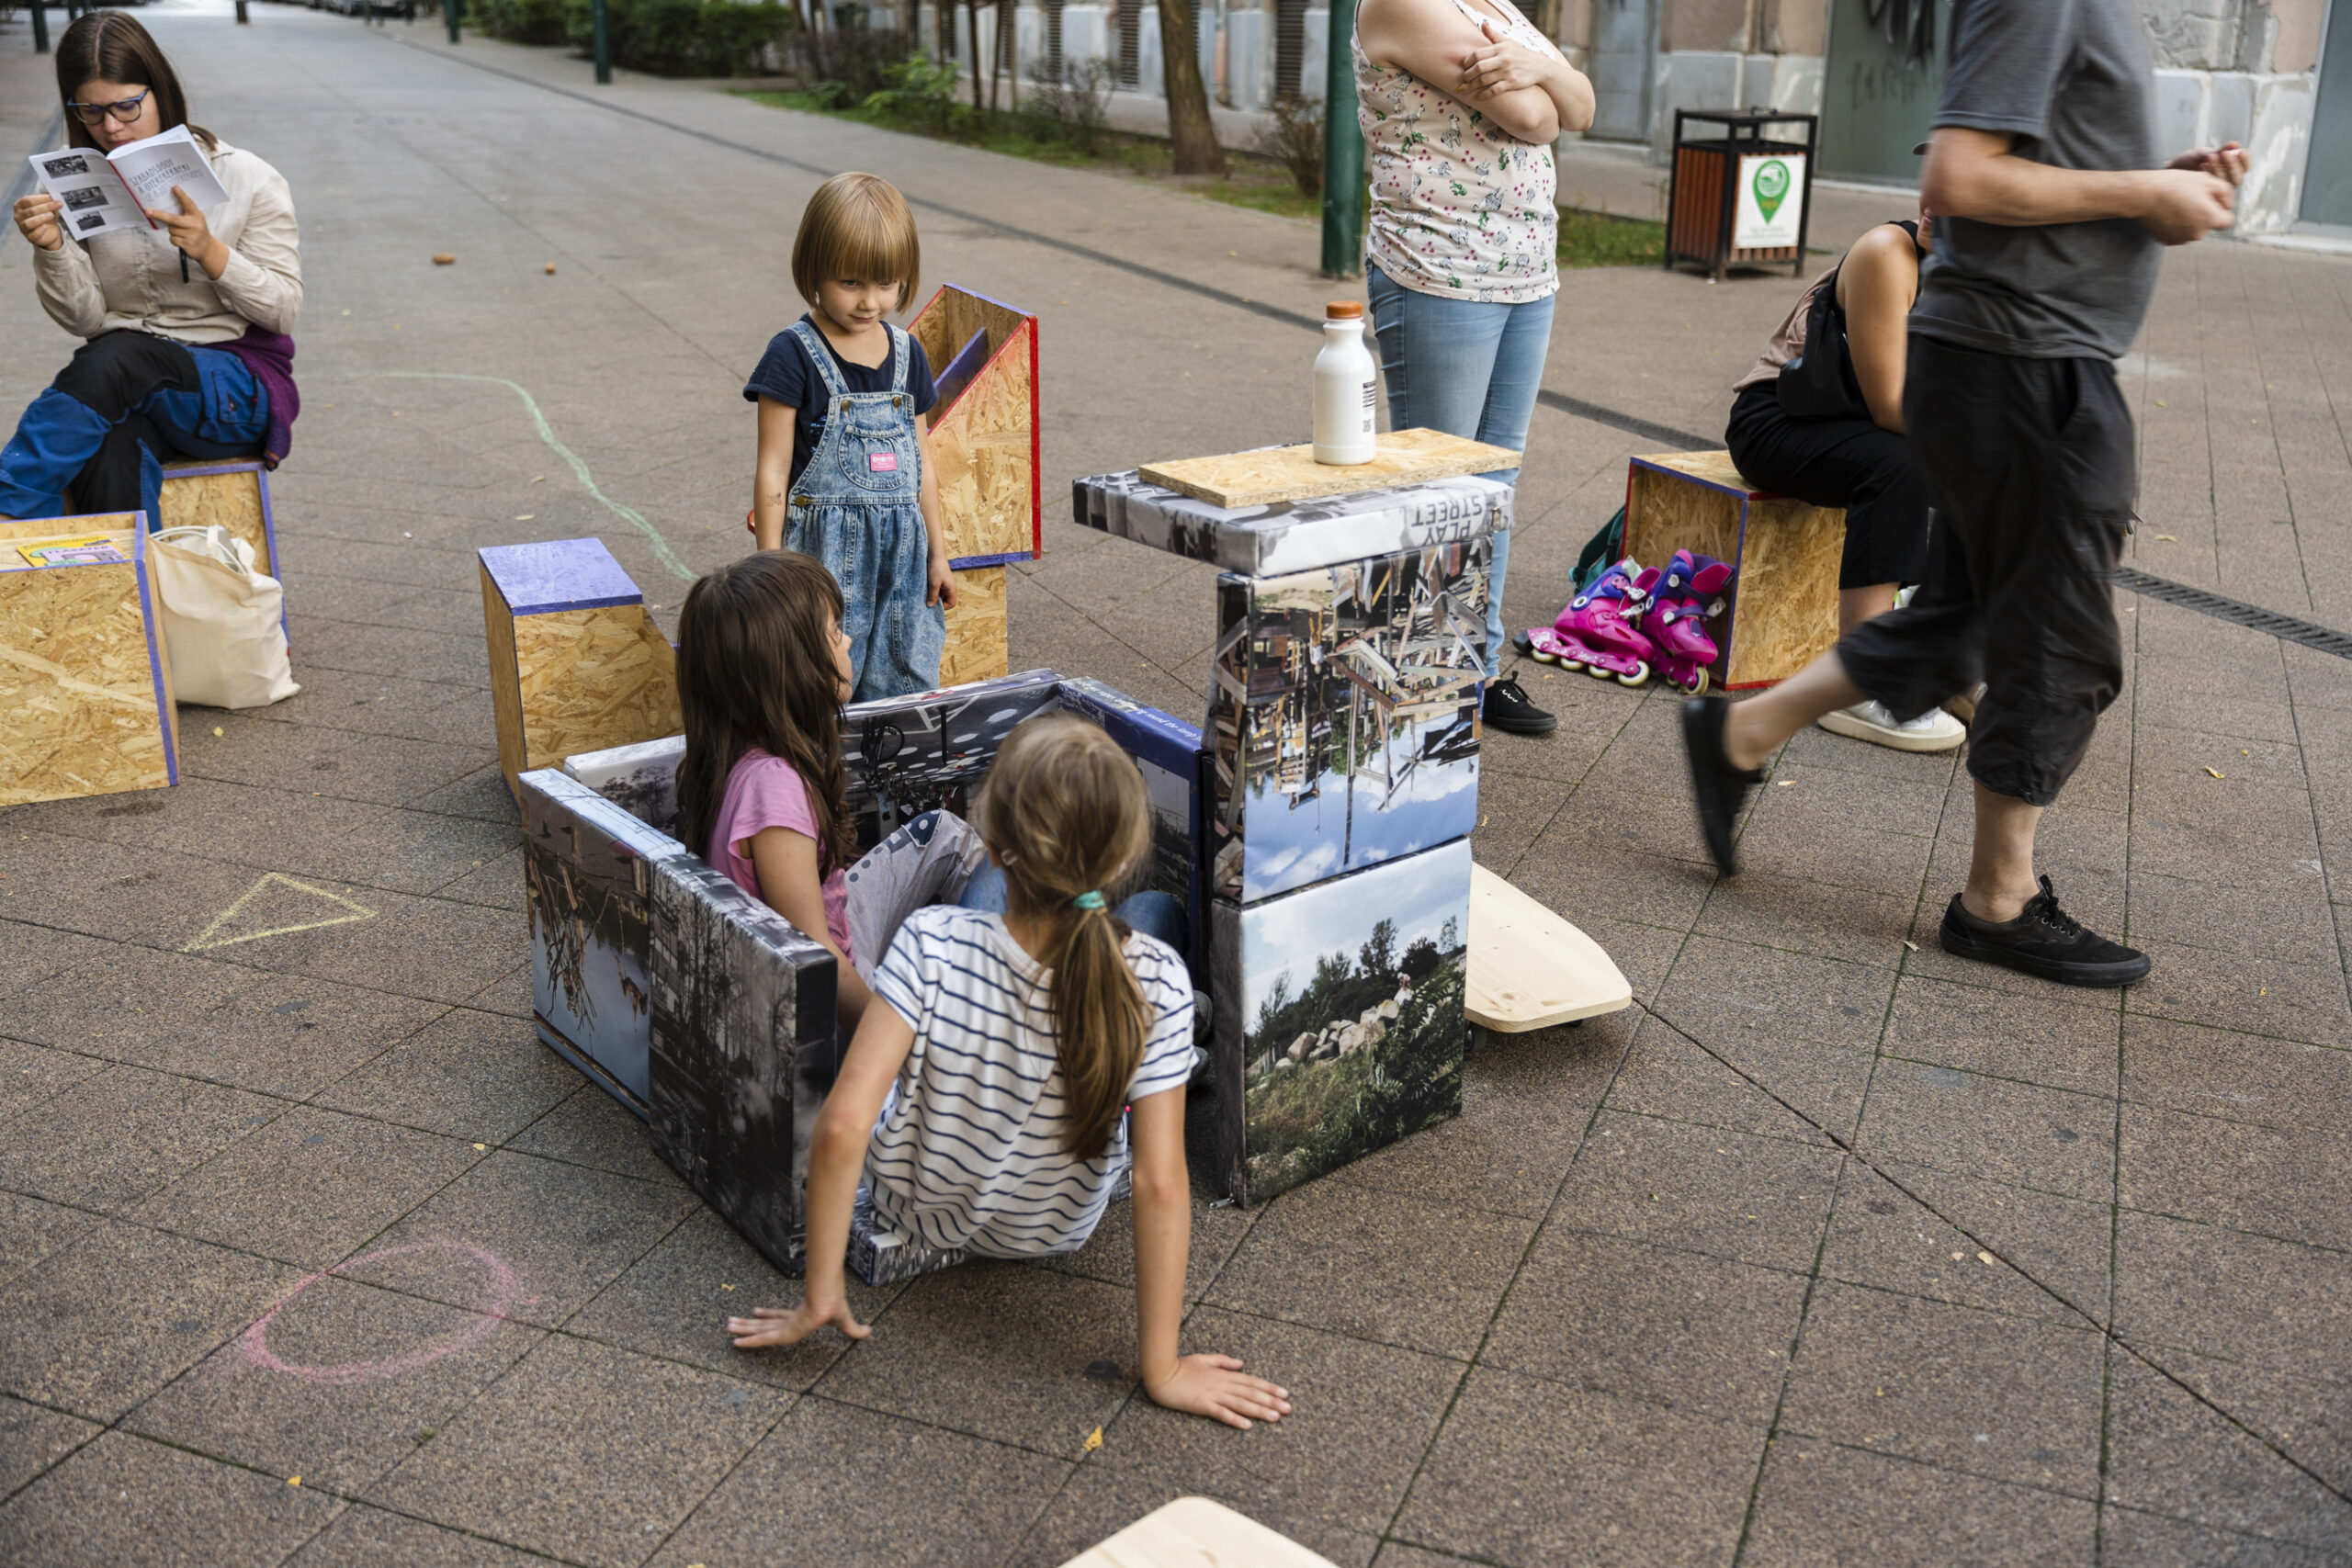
(857, 226)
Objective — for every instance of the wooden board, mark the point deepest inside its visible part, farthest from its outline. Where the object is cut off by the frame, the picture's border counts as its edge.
(977, 628)
(1193, 1532)
(984, 452)
(950, 317)
(589, 678)
(1290, 473)
(1783, 609)
(234, 494)
(1530, 969)
(505, 682)
(85, 697)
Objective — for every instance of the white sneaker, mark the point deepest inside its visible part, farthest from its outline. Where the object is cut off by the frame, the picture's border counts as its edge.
(1934, 730)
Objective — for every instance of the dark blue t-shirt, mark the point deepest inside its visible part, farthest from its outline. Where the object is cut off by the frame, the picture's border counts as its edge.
(786, 373)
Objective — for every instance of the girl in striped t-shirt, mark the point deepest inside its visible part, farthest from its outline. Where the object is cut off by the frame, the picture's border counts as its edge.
(1020, 1062)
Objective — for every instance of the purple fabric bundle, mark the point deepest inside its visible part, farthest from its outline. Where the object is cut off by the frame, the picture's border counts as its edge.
(270, 357)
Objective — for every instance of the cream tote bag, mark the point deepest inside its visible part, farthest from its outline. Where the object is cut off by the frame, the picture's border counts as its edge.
(221, 620)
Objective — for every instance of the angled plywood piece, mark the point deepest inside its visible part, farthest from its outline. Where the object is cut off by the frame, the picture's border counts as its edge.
(1290, 473)
(1193, 1532)
(1530, 969)
(233, 492)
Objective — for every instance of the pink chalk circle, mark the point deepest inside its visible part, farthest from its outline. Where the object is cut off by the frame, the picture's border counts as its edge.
(254, 1344)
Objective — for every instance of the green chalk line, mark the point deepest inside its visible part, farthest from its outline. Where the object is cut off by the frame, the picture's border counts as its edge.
(630, 515)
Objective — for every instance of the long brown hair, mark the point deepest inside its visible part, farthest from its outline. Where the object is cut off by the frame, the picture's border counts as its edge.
(1066, 814)
(110, 46)
(755, 668)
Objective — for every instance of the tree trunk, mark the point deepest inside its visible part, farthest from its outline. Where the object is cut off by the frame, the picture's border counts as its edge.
(1190, 128)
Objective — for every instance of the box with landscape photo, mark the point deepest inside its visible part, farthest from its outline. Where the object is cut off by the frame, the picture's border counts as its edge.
(1345, 717)
(1339, 1024)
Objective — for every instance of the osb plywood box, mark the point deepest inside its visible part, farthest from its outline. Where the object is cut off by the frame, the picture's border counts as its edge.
(576, 664)
(234, 492)
(985, 456)
(86, 695)
(1782, 609)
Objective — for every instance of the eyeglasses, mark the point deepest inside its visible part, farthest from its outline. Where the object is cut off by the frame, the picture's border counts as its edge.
(125, 110)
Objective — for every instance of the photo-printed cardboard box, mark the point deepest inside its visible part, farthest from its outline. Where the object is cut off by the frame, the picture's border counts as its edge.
(1344, 719)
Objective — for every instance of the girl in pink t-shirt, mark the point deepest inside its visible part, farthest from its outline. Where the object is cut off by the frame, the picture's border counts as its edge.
(763, 672)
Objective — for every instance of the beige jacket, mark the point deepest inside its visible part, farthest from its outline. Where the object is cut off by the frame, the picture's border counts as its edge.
(128, 279)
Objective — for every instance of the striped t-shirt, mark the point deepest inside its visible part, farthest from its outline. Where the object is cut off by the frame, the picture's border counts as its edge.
(968, 1152)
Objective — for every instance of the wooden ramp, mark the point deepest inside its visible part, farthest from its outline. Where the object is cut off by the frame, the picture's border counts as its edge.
(1290, 473)
(1193, 1532)
(1530, 969)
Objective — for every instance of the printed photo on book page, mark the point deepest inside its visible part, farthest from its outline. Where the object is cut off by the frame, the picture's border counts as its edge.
(103, 192)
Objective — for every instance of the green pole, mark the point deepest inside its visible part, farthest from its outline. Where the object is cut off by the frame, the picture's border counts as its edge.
(1342, 152)
(41, 27)
(450, 9)
(603, 44)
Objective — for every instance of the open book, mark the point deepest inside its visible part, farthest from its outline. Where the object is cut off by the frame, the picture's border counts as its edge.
(106, 191)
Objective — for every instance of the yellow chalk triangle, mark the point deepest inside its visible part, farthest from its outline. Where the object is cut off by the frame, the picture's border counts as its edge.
(276, 906)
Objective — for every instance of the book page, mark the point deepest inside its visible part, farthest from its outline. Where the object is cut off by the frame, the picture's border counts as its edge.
(92, 193)
(154, 166)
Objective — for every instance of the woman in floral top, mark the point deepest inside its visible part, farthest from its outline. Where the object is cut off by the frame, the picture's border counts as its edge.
(1461, 101)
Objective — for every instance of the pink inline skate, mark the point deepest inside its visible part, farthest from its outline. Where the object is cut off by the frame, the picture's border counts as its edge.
(1685, 596)
(1598, 633)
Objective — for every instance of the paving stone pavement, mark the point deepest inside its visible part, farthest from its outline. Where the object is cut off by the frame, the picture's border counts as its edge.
(1833, 1249)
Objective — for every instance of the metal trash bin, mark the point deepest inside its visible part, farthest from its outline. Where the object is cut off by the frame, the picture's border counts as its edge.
(1739, 199)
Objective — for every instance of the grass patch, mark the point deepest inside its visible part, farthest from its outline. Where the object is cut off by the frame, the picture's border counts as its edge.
(1587, 238)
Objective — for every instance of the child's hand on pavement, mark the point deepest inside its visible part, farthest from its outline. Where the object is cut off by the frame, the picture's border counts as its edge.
(943, 584)
(36, 218)
(774, 1326)
(1217, 1387)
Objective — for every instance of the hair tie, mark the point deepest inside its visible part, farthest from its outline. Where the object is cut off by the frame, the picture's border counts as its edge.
(1088, 900)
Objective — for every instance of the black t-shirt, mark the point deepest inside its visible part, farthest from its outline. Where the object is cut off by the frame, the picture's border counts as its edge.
(786, 373)
(2069, 80)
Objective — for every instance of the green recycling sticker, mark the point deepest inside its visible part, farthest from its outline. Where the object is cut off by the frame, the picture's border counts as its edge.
(1770, 185)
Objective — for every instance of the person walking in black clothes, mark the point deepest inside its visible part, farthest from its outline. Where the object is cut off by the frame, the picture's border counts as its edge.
(2048, 219)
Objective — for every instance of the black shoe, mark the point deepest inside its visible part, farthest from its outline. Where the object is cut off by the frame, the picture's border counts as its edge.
(2044, 940)
(1506, 708)
(1719, 789)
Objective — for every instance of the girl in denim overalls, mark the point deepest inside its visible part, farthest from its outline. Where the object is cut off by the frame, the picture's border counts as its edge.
(844, 472)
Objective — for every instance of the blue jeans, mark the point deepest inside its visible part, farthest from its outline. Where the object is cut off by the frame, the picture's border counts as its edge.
(127, 403)
(1150, 912)
(1469, 370)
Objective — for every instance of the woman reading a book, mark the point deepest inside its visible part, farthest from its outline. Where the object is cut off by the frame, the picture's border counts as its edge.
(185, 320)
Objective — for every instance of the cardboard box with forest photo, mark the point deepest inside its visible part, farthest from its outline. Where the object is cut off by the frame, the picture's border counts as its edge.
(1345, 1001)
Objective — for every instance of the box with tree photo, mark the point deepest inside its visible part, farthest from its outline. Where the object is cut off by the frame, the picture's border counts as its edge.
(1339, 1022)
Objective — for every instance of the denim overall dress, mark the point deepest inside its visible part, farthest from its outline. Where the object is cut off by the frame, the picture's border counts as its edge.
(856, 508)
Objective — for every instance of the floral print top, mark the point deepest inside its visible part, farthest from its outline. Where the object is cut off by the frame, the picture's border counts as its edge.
(1459, 207)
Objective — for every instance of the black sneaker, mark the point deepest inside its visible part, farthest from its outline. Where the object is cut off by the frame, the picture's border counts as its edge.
(1506, 708)
(1719, 789)
(2044, 941)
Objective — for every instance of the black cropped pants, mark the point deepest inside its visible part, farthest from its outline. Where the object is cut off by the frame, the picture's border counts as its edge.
(2029, 466)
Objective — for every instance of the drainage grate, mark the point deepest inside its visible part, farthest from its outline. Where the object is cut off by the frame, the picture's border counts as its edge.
(2213, 604)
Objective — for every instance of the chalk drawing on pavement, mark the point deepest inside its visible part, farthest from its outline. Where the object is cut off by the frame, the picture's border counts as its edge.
(252, 1346)
(223, 931)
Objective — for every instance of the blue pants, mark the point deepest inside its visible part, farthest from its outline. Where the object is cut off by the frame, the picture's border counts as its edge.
(127, 401)
(1469, 370)
(880, 554)
(1151, 912)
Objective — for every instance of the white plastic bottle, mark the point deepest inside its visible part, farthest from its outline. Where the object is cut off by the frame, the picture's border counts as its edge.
(1343, 387)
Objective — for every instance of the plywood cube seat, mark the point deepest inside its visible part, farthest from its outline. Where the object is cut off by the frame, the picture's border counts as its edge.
(231, 491)
(85, 692)
(576, 664)
(1782, 609)
(985, 456)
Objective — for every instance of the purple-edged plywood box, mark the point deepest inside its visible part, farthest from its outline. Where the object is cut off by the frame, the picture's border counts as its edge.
(575, 663)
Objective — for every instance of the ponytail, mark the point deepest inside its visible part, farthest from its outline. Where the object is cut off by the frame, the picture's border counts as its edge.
(1067, 817)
